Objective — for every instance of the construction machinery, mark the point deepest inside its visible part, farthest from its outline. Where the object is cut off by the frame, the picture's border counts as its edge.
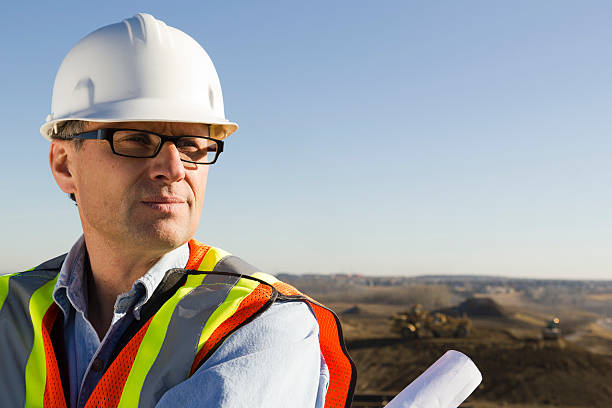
(552, 330)
(419, 323)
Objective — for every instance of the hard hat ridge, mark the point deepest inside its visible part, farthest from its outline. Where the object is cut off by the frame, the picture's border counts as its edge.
(138, 70)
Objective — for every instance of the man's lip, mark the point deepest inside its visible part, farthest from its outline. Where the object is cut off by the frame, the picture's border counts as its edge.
(164, 200)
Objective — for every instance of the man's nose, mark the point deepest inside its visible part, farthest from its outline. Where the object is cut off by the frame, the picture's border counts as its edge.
(167, 165)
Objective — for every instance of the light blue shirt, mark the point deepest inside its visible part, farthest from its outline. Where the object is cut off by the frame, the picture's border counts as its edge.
(274, 361)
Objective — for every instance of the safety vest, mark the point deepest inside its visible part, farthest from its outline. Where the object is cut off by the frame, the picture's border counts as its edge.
(192, 311)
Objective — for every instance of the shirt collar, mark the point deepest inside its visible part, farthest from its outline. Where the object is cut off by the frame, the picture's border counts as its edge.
(71, 288)
(143, 288)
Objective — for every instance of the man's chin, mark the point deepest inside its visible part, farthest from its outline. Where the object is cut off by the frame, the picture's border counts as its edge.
(163, 235)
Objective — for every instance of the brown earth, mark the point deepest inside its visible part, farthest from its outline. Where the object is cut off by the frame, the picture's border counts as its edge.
(519, 369)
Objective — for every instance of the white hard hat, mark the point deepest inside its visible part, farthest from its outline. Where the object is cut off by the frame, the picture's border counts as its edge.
(138, 70)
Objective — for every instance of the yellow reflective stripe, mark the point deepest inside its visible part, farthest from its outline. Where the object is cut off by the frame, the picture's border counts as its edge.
(231, 302)
(4, 285)
(265, 277)
(212, 257)
(154, 337)
(151, 344)
(226, 309)
(36, 368)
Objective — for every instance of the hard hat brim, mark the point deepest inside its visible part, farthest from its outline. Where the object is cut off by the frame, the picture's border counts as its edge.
(143, 110)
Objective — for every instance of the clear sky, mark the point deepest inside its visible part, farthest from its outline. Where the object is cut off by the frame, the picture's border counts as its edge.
(388, 137)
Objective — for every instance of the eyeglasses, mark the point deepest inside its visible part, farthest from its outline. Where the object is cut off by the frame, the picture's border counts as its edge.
(145, 144)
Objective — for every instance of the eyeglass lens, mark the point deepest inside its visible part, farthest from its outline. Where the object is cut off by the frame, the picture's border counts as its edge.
(143, 144)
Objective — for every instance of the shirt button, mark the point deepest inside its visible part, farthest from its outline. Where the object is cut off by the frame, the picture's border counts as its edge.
(97, 365)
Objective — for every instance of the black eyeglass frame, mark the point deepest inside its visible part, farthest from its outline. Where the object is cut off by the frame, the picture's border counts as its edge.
(108, 133)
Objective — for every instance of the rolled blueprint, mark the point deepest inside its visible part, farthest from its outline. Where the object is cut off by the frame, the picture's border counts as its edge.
(445, 384)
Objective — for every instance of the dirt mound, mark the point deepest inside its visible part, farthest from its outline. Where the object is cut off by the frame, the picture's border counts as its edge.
(355, 310)
(481, 307)
(513, 372)
(476, 307)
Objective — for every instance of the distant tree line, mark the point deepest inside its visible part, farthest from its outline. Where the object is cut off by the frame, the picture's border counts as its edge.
(430, 296)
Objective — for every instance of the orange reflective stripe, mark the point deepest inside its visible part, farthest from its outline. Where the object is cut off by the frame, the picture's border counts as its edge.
(247, 308)
(342, 369)
(108, 391)
(197, 252)
(39, 304)
(343, 374)
(54, 392)
(288, 290)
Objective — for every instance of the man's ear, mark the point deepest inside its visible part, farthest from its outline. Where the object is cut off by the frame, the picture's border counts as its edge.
(59, 160)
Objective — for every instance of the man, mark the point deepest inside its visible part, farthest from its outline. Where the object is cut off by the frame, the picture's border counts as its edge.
(138, 313)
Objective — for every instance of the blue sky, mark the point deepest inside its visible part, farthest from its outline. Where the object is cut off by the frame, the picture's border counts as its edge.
(391, 137)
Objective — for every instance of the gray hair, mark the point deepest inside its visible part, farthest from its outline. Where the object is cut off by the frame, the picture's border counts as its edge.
(65, 131)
